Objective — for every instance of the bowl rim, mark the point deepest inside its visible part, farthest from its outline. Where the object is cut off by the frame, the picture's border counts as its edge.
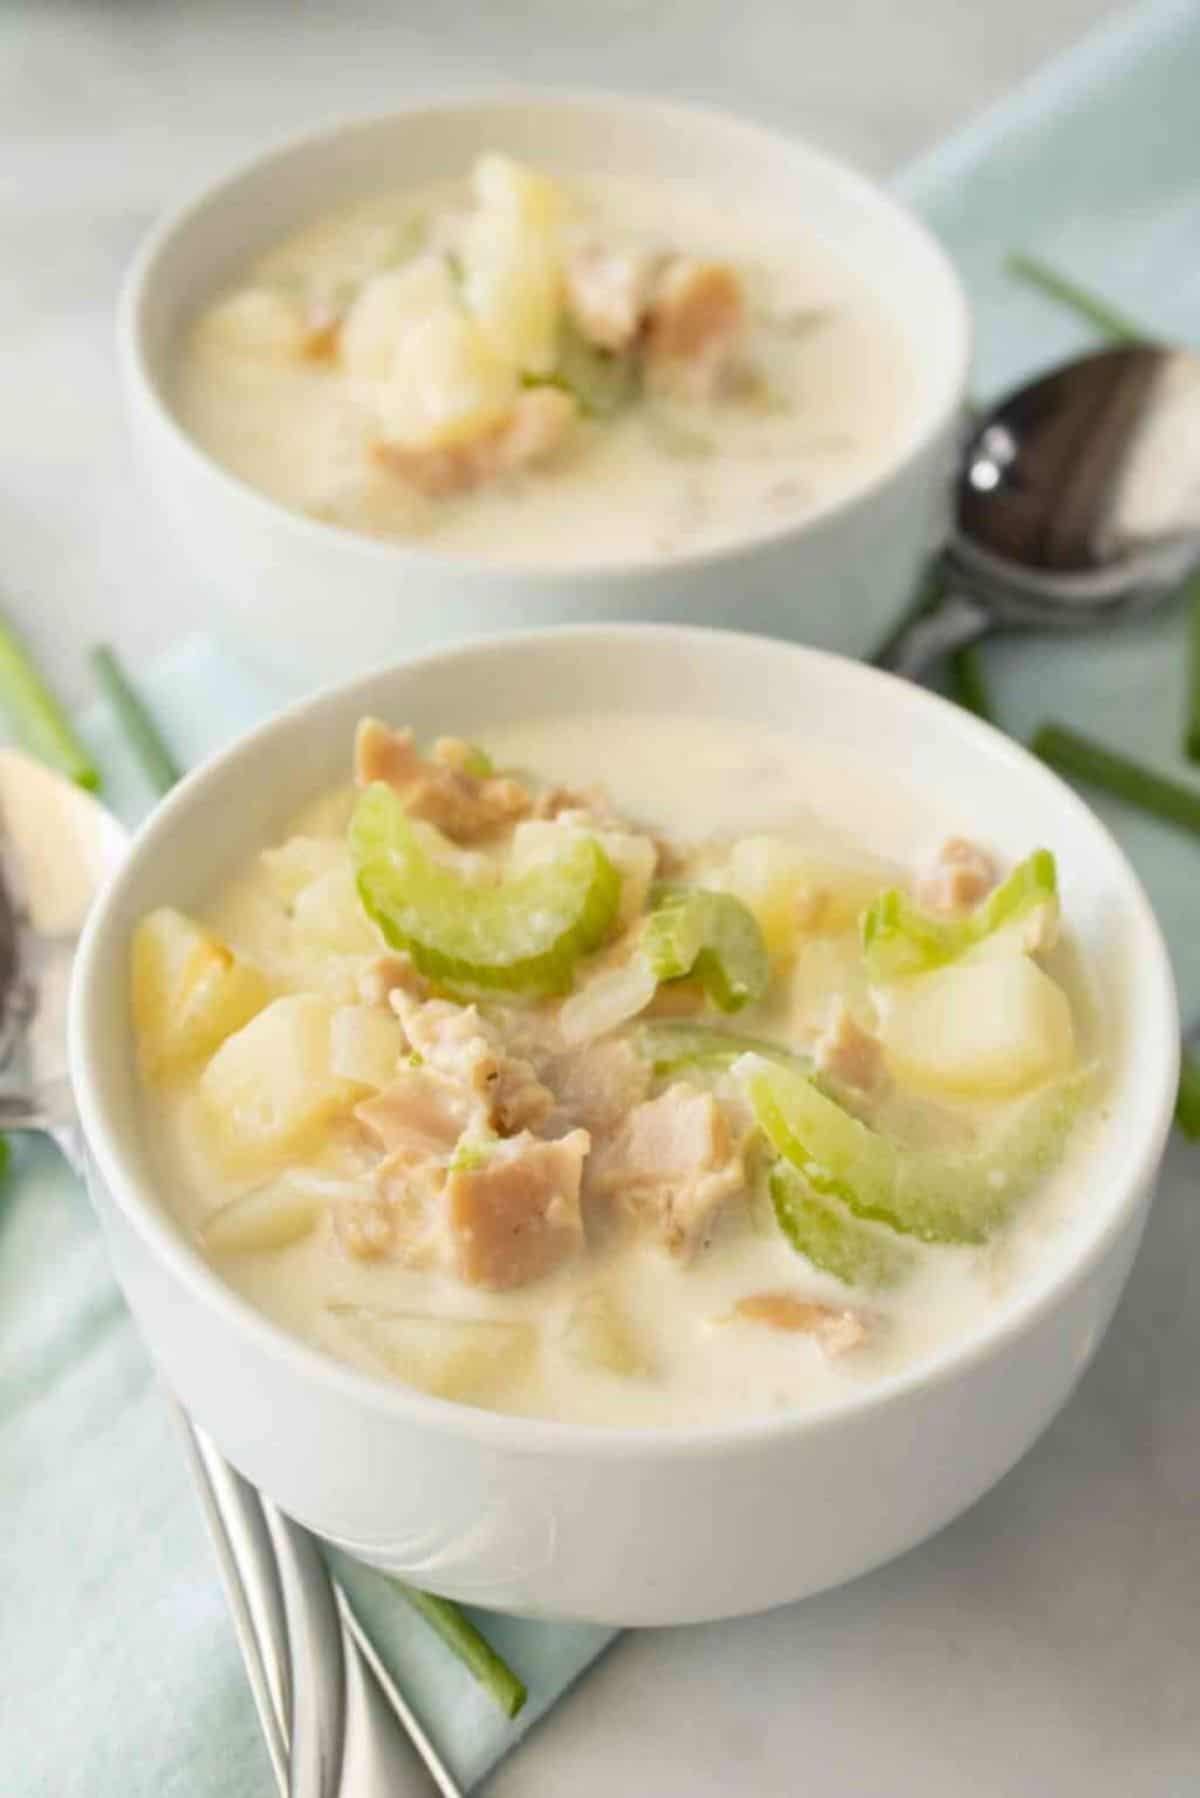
(143, 384)
(148, 1217)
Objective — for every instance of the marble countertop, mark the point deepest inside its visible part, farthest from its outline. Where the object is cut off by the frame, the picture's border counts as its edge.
(1047, 1642)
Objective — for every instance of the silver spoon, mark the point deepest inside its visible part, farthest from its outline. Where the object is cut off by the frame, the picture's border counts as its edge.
(1077, 503)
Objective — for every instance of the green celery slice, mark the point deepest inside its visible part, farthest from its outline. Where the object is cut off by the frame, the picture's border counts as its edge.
(522, 934)
(830, 1236)
(938, 1195)
(671, 1048)
(602, 382)
(899, 938)
(712, 936)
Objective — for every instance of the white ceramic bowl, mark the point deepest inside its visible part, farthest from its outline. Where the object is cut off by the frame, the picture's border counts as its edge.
(627, 1526)
(323, 602)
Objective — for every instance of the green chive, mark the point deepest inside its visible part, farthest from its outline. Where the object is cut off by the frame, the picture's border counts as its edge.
(39, 721)
(158, 765)
(1120, 775)
(1187, 1107)
(473, 1650)
(1107, 319)
(1191, 738)
(966, 682)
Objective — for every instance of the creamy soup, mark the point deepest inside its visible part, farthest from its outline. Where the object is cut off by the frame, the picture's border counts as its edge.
(646, 1100)
(600, 371)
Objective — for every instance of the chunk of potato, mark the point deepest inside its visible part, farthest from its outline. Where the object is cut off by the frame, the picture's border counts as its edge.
(299, 861)
(365, 1044)
(189, 991)
(597, 1335)
(792, 893)
(513, 262)
(328, 916)
(270, 1090)
(270, 1217)
(388, 306)
(466, 1358)
(988, 1027)
(447, 384)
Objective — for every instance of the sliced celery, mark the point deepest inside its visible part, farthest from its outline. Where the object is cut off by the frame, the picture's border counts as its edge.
(523, 933)
(899, 938)
(712, 936)
(830, 1236)
(602, 382)
(939, 1195)
(670, 1048)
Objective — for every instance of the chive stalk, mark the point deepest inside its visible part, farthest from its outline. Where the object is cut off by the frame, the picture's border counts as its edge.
(1191, 738)
(39, 721)
(1108, 319)
(1083, 758)
(967, 683)
(473, 1649)
(158, 764)
(1187, 1108)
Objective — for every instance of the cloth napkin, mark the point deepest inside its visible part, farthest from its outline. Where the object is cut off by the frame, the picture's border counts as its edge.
(113, 1628)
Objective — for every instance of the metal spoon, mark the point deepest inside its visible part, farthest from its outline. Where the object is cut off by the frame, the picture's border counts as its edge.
(1077, 503)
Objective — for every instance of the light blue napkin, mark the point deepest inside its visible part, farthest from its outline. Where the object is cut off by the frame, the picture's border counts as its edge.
(1095, 166)
(119, 1671)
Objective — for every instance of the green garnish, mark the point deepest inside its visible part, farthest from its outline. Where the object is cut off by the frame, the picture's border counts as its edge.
(1113, 323)
(1191, 736)
(899, 938)
(143, 734)
(39, 721)
(938, 1195)
(473, 1649)
(712, 936)
(673, 1048)
(602, 382)
(1187, 1108)
(967, 685)
(830, 1236)
(478, 763)
(1085, 759)
(522, 933)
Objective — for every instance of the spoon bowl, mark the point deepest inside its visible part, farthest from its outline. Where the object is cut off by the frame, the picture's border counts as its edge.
(1077, 504)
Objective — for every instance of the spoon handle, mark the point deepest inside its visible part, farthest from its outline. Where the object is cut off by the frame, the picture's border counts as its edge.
(954, 622)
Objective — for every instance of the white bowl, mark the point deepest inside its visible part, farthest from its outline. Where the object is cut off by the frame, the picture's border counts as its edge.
(629, 1526)
(323, 602)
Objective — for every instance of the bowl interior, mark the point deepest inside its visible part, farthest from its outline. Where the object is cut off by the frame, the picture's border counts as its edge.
(208, 245)
(983, 783)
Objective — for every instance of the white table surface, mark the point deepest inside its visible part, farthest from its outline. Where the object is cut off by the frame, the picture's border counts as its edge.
(1048, 1642)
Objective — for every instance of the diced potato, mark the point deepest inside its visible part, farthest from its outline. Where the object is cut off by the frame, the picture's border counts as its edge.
(387, 307)
(300, 861)
(448, 383)
(990, 1027)
(270, 1217)
(513, 262)
(465, 1358)
(825, 969)
(365, 1044)
(597, 1335)
(270, 1090)
(791, 892)
(328, 917)
(189, 992)
(258, 321)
